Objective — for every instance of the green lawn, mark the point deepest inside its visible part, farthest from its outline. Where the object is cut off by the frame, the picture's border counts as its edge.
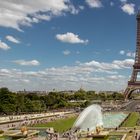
(2, 138)
(132, 120)
(60, 125)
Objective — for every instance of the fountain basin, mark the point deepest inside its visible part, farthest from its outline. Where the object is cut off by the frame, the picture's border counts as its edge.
(113, 119)
(92, 117)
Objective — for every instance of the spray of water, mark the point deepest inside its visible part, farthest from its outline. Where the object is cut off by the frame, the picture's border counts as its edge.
(90, 118)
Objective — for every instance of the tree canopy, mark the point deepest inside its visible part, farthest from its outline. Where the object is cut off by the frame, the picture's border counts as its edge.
(15, 103)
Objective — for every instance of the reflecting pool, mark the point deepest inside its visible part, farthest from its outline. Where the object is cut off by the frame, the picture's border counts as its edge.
(92, 117)
(113, 120)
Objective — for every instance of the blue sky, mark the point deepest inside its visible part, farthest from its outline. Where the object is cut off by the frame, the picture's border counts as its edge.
(66, 44)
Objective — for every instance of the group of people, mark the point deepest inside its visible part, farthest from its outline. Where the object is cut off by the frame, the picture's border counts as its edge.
(70, 134)
(53, 136)
(137, 136)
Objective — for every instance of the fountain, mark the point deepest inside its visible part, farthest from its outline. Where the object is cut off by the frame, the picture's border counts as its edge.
(90, 119)
(90, 122)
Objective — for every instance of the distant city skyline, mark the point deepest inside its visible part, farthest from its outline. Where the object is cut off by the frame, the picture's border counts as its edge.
(66, 44)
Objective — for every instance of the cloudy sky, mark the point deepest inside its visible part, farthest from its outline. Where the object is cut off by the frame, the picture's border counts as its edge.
(66, 44)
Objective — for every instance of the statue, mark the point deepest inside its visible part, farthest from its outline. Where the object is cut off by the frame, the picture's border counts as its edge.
(98, 129)
(24, 130)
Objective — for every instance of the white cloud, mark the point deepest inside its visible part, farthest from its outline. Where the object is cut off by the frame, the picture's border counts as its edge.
(106, 67)
(27, 63)
(70, 38)
(94, 3)
(127, 53)
(77, 62)
(25, 80)
(66, 52)
(12, 39)
(122, 52)
(127, 63)
(111, 3)
(4, 46)
(81, 7)
(130, 54)
(129, 8)
(115, 77)
(5, 70)
(16, 13)
(123, 1)
(93, 75)
(77, 52)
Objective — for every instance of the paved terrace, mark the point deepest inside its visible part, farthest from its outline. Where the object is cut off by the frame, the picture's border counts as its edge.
(14, 118)
(17, 120)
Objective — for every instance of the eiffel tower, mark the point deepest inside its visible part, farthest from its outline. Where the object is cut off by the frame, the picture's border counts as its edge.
(134, 84)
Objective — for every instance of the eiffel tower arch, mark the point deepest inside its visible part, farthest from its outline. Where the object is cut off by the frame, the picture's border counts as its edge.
(134, 84)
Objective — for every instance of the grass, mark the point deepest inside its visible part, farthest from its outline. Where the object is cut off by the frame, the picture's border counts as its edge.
(2, 138)
(60, 125)
(131, 120)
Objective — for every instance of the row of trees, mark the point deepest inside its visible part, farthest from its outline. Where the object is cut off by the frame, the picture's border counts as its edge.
(16, 103)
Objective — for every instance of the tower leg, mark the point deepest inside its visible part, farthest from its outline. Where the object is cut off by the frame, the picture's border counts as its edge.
(127, 92)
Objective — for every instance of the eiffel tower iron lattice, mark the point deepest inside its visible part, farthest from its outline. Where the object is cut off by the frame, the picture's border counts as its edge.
(134, 84)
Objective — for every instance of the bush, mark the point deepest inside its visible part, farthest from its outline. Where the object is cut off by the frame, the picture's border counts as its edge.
(1, 131)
